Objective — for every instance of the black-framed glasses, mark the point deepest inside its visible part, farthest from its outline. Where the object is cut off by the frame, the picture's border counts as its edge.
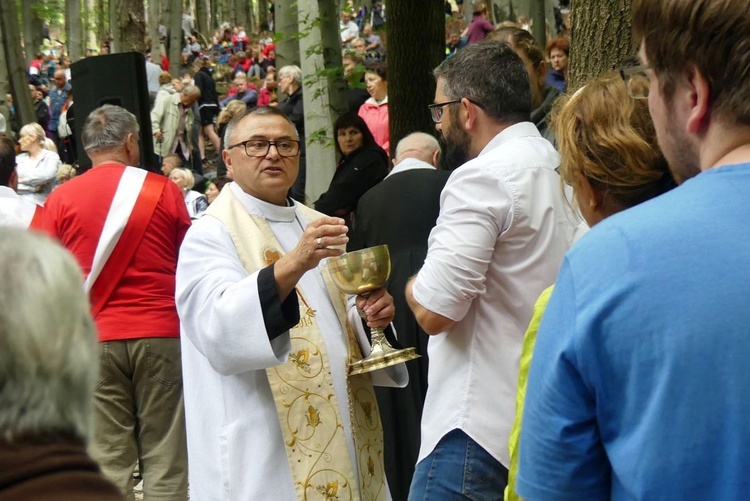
(436, 109)
(261, 147)
(636, 81)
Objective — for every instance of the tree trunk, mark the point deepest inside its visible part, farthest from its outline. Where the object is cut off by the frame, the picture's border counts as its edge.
(411, 86)
(224, 9)
(16, 63)
(324, 90)
(102, 8)
(89, 34)
(250, 16)
(601, 38)
(32, 31)
(202, 9)
(4, 84)
(287, 48)
(173, 12)
(537, 15)
(114, 32)
(262, 15)
(153, 31)
(74, 29)
(213, 11)
(131, 26)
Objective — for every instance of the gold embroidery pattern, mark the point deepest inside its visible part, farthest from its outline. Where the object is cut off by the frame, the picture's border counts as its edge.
(330, 490)
(312, 432)
(303, 386)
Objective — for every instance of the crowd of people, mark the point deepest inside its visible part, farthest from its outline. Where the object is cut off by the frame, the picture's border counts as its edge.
(573, 280)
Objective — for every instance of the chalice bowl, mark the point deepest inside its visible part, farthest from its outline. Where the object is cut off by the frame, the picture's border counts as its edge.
(359, 273)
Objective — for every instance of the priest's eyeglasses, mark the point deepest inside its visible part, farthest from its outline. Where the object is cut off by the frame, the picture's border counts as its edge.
(437, 109)
(261, 147)
(636, 81)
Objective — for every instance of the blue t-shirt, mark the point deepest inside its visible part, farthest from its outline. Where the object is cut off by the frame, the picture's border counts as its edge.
(640, 382)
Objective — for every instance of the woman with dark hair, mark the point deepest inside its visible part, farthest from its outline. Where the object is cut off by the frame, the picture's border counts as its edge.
(363, 165)
(375, 110)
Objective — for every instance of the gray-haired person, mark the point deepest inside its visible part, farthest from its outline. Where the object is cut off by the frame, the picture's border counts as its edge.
(125, 226)
(48, 372)
(172, 123)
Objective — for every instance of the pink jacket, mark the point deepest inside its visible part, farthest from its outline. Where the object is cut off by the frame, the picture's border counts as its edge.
(376, 118)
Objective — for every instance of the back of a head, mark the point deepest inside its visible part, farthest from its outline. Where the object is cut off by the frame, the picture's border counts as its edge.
(505, 96)
(107, 128)
(708, 35)
(608, 137)
(520, 40)
(48, 350)
(417, 145)
(7, 159)
(165, 77)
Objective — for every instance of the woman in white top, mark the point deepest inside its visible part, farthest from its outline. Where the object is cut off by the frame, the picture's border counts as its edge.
(196, 202)
(36, 166)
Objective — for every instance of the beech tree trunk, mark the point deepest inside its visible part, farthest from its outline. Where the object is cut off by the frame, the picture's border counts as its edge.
(287, 48)
(173, 13)
(102, 10)
(32, 30)
(4, 84)
(74, 29)
(131, 25)
(537, 15)
(324, 90)
(202, 9)
(15, 62)
(411, 86)
(601, 37)
(262, 15)
(153, 31)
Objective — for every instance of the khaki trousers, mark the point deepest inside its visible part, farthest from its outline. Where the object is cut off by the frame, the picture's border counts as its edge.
(139, 417)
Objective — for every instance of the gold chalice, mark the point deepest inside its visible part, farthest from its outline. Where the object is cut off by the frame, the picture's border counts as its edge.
(359, 273)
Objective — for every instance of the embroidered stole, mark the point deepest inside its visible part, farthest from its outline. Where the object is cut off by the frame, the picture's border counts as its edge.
(303, 390)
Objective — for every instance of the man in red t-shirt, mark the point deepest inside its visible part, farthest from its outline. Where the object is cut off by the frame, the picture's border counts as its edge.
(125, 227)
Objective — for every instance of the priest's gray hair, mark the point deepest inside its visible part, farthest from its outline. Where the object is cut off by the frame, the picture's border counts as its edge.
(259, 111)
(107, 128)
(48, 347)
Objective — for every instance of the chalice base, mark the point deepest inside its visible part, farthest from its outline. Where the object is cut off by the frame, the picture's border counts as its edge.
(382, 356)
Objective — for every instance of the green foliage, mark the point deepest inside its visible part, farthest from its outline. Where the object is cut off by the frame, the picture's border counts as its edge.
(49, 11)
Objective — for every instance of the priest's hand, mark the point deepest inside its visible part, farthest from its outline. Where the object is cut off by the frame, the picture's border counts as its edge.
(378, 308)
(324, 237)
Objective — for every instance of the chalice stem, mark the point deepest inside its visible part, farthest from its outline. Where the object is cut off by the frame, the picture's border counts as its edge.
(378, 341)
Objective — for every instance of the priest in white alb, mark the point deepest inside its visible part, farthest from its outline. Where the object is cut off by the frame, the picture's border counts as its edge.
(266, 338)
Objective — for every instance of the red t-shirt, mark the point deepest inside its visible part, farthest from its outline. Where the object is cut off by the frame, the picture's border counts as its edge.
(142, 304)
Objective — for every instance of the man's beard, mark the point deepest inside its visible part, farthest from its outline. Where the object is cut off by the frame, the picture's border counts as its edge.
(455, 143)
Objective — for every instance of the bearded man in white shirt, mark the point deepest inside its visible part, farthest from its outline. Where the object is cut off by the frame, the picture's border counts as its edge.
(499, 241)
(271, 411)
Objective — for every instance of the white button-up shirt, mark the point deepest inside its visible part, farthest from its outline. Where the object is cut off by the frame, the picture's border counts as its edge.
(503, 229)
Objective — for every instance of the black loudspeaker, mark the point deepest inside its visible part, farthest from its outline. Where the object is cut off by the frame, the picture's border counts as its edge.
(118, 79)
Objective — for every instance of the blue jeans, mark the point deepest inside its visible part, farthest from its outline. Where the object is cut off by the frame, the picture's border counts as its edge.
(458, 468)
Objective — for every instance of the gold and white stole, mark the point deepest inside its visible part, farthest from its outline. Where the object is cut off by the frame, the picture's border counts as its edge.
(303, 390)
